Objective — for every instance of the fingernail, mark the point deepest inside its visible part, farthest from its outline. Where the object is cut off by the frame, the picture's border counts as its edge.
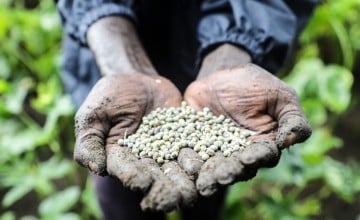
(93, 167)
(289, 140)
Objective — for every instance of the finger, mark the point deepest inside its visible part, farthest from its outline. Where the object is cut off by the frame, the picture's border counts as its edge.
(88, 154)
(227, 171)
(197, 95)
(182, 182)
(260, 153)
(293, 126)
(243, 165)
(206, 182)
(292, 130)
(163, 196)
(246, 172)
(89, 147)
(127, 168)
(190, 162)
(170, 98)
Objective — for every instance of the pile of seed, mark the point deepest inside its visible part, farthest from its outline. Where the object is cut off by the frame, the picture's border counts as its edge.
(164, 131)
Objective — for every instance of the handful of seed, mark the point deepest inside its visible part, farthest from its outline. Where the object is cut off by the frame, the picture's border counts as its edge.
(164, 131)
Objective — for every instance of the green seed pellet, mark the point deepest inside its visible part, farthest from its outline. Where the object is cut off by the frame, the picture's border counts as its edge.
(164, 131)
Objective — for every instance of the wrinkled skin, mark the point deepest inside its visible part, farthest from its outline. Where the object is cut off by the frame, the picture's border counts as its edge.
(256, 100)
(112, 110)
(249, 95)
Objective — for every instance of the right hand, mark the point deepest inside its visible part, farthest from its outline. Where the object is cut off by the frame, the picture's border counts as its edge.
(113, 109)
(254, 99)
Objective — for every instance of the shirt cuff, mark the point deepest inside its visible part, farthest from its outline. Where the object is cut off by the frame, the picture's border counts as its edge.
(109, 9)
(252, 45)
(249, 43)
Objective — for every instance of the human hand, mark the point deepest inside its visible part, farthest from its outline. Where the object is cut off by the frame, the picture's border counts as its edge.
(258, 101)
(112, 110)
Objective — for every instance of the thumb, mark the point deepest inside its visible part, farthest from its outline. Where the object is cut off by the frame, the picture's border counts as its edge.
(90, 141)
(293, 129)
(293, 125)
(197, 95)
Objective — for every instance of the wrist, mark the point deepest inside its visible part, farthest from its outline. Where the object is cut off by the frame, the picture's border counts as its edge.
(117, 48)
(225, 56)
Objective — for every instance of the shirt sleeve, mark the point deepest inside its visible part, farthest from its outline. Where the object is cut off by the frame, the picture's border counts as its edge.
(266, 29)
(78, 15)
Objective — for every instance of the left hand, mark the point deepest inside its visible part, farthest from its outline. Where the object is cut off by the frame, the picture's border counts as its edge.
(112, 110)
(130, 89)
(258, 101)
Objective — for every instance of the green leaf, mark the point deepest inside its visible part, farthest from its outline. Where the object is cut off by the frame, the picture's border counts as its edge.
(8, 216)
(341, 179)
(88, 198)
(62, 107)
(4, 68)
(55, 168)
(355, 36)
(47, 92)
(317, 26)
(174, 215)
(29, 217)
(17, 192)
(49, 21)
(68, 216)
(15, 99)
(4, 86)
(287, 171)
(335, 87)
(303, 77)
(310, 206)
(320, 142)
(344, 41)
(43, 186)
(59, 202)
(236, 192)
(315, 112)
(20, 142)
(330, 84)
(18, 170)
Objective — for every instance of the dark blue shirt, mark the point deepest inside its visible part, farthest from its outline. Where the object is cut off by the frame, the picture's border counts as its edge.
(177, 34)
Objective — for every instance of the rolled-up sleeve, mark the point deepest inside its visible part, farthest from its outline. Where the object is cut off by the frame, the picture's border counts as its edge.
(266, 29)
(78, 15)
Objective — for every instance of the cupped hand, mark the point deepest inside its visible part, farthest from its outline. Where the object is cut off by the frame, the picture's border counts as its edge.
(113, 109)
(256, 100)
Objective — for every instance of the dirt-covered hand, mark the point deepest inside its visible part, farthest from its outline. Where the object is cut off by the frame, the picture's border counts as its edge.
(256, 100)
(113, 109)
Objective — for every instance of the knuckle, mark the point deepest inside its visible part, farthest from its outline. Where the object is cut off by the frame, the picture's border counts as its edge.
(83, 112)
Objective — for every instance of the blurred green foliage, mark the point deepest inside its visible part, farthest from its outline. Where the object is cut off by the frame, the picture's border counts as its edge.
(38, 179)
(37, 121)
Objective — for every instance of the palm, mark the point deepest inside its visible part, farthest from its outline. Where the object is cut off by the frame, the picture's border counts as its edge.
(133, 97)
(246, 106)
(113, 109)
(256, 100)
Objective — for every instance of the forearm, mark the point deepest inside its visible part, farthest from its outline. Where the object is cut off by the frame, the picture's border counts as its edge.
(117, 48)
(225, 56)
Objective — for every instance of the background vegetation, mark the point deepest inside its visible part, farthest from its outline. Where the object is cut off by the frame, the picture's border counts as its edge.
(315, 180)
